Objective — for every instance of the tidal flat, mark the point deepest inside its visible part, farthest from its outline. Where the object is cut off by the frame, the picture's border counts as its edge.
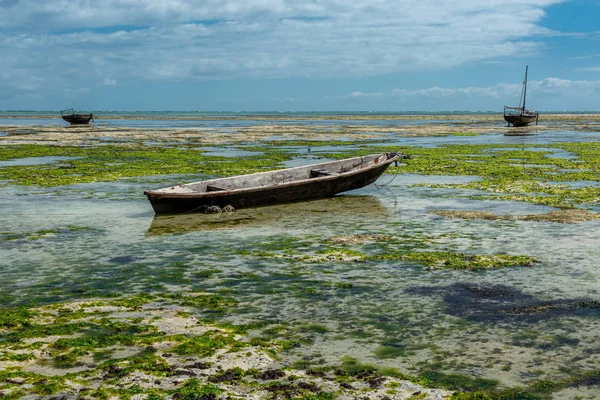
(468, 271)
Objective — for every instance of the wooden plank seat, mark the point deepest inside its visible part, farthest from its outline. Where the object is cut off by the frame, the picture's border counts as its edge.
(315, 173)
(213, 188)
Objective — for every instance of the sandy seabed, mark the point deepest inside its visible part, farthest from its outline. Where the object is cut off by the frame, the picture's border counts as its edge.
(420, 126)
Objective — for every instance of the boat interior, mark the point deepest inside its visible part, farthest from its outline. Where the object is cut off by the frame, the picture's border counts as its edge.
(276, 177)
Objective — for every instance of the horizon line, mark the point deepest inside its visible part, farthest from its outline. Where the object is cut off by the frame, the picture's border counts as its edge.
(304, 111)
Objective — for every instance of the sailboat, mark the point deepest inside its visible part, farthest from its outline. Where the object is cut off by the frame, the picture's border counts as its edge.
(520, 116)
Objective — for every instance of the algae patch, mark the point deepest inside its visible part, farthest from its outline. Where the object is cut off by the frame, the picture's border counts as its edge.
(378, 248)
(567, 216)
(460, 261)
(357, 239)
(109, 163)
(143, 346)
(532, 174)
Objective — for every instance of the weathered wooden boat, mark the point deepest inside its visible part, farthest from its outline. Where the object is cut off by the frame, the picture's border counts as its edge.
(272, 187)
(76, 119)
(520, 116)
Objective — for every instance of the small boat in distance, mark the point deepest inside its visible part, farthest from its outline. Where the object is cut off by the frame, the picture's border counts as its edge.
(520, 116)
(273, 187)
(76, 119)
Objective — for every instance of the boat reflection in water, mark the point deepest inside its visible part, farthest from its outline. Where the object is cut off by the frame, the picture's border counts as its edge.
(308, 214)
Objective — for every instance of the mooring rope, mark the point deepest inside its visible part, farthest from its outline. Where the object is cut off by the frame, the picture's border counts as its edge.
(394, 177)
(397, 172)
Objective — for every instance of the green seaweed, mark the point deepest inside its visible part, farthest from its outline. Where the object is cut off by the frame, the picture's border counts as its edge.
(109, 163)
(145, 360)
(133, 302)
(314, 328)
(11, 318)
(447, 260)
(522, 175)
(319, 396)
(213, 302)
(386, 252)
(16, 357)
(194, 389)
(44, 233)
(205, 345)
(390, 351)
(434, 378)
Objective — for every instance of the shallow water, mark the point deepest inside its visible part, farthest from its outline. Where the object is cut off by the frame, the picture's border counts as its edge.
(32, 121)
(228, 152)
(106, 240)
(515, 324)
(35, 161)
(184, 122)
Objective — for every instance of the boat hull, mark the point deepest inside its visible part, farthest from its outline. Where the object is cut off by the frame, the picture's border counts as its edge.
(305, 189)
(520, 120)
(78, 119)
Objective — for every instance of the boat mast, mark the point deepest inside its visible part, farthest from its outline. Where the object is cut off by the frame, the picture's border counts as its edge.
(525, 87)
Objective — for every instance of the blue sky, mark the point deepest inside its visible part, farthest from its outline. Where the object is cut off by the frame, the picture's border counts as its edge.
(281, 55)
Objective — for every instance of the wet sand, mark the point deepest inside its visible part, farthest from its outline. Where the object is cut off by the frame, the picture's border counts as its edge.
(172, 368)
(444, 125)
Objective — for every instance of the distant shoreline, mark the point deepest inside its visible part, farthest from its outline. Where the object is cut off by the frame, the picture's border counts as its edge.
(199, 116)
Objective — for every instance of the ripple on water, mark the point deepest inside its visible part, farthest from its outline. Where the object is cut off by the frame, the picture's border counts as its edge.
(229, 152)
(35, 161)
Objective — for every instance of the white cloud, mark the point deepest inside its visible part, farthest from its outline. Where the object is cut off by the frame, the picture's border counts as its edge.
(70, 14)
(546, 86)
(564, 86)
(585, 57)
(110, 82)
(497, 91)
(362, 95)
(71, 42)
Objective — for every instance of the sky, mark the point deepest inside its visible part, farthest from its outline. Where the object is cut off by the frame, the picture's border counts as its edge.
(283, 55)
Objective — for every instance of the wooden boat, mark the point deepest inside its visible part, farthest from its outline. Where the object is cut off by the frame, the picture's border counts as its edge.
(273, 187)
(76, 119)
(520, 116)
